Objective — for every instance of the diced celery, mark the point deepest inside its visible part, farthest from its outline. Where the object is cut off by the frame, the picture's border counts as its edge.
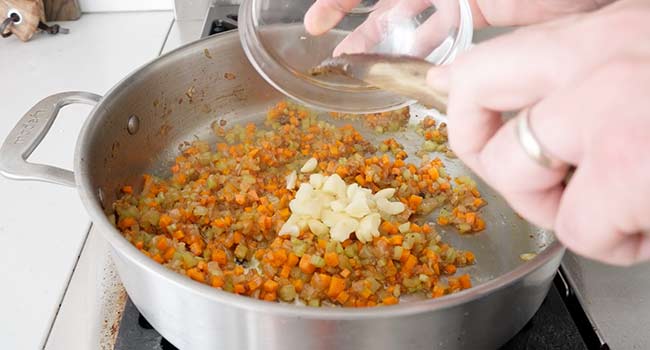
(287, 293)
(241, 251)
(397, 252)
(317, 261)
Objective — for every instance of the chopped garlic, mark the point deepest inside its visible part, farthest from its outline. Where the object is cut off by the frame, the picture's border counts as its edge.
(318, 228)
(316, 180)
(291, 180)
(335, 185)
(405, 227)
(390, 208)
(309, 166)
(338, 205)
(358, 206)
(368, 227)
(326, 205)
(385, 193)
(342, 230)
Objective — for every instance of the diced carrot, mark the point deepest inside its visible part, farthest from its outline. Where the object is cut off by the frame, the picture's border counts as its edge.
(470, 218)
(437, 292)
(161, 242)
(240, 199)
(292, 260)
(196, 248)
(322, 244)
(443, 220)
(414, 201)
(454, 284)
(196, 275)
(390, 300)
(405, 256)
(127, 189)
(320, 281)
(469, 256)
(342, 297)
(270, 286)
(337, 285)
(139, 244)
(426, 229)
(126, 223)
(272, 296)
(298, 284)
(450, 269)
(477, 202)
(445, 186)
(238, 270)
(157, 258)
(169, 253)
(331, 259)
(217, 281)
(164, 221)
(286, 270)
(255, 283)
(388, 228)
(219, 256)
(433, 173)
(465, 281)
(306, 265)
(365, 293)
(239, 288)
(396, 240)
(479, 225)
(410, 263)
(415, 227)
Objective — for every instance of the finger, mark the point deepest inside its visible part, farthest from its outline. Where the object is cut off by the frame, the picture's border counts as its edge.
(324, 15)
(517, 12)
(586, 221)
(387, 15)
(510, 73)
(531, 189)
(430, 34)
(605, 204)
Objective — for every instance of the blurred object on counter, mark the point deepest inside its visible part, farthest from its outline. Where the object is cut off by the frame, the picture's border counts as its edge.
(21, 17)
(24, 18)
(62, 10)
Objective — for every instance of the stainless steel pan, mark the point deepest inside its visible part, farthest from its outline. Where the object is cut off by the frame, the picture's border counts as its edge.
(138, 126)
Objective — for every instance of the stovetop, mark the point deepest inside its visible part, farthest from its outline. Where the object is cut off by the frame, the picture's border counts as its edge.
(560, 323)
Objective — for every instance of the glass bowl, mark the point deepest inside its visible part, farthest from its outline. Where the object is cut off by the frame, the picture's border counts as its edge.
(280, 48)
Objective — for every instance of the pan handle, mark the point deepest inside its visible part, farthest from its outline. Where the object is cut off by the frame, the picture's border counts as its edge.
(28, 134)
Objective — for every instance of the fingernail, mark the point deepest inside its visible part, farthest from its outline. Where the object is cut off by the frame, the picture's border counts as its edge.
(439, 78)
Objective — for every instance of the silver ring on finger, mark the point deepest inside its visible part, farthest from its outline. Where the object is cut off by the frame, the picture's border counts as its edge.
(531, 145)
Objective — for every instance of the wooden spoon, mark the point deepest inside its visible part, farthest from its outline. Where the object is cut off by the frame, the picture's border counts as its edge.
(402, 75)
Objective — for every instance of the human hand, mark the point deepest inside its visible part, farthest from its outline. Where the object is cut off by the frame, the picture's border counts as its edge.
(325, 14)
(584, 80)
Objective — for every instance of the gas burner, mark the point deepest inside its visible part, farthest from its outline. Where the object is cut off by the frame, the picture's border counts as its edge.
(220, 18)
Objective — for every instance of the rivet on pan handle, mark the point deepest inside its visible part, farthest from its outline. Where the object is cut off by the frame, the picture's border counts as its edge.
(28, 134)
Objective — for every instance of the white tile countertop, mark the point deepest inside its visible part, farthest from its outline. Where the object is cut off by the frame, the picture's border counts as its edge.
(43, 226)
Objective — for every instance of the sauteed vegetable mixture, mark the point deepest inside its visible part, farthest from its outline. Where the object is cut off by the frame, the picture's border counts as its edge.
(221, 216)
